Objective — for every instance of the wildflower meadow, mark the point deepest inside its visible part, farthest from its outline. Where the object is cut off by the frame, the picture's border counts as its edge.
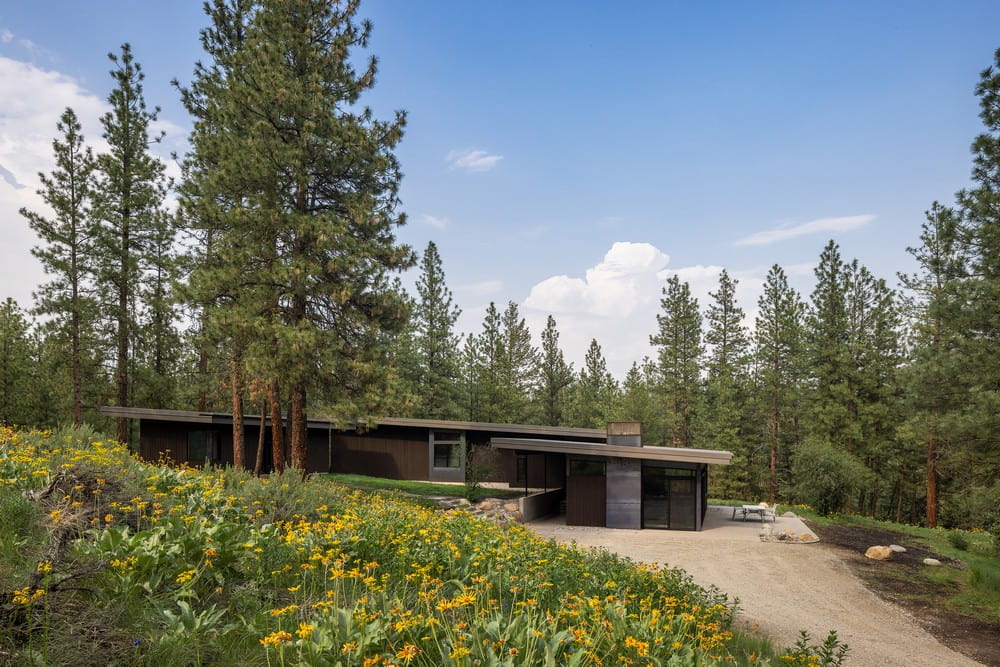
(105, 559)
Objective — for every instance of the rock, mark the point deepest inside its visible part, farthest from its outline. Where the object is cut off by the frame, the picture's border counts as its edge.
(486, 505)
(879, 553)
(806, 537)
(897, 549)
(464, 502)
(934, 562)
(512, 506)
(789, 515)
(788, 532)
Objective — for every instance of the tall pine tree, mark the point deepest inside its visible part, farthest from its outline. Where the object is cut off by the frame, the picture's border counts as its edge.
(130, 189)
(436, 343)
(555, 377)
(678, 340)
(67, 252)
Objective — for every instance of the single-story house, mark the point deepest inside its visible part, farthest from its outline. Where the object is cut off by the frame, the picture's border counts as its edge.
(604, 477)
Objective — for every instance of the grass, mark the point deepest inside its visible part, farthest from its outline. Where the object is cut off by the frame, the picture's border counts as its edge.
(122, 562)
(415, 487)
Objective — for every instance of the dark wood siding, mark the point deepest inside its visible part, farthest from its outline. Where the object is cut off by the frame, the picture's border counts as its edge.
(383, 452)
(585, 500)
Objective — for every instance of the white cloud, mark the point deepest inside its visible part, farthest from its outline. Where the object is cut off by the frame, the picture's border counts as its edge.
(616, 303)
(434, 221)
(822, 225)
(618, 299)
(31, 101)
(6, 35)
(472, 159)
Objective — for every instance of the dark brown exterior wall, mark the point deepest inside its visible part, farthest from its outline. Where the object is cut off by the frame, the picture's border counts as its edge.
(382, 452)
(585, 500)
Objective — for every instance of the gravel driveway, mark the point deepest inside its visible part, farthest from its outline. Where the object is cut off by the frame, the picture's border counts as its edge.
(782, 588)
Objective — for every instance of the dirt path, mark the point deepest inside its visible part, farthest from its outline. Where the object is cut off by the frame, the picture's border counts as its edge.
(782, 588)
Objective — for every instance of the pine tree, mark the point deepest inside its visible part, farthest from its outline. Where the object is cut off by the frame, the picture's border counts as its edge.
(778, 348)
(932, 309)
(519, 366)
(829, 359)
(436, 342)
(302, 185)
(484, 357)
(635, 400)
(726, 388)
(130, 190)
(595, 391)
(555, 377)
(15, 365)
(67, 252)
(679, 341)
(977, 461)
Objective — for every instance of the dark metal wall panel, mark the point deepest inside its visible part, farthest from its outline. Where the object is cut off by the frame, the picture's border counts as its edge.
(585, 500)
(624, 493)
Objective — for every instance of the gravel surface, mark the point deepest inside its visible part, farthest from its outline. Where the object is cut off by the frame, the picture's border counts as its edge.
(782, 588)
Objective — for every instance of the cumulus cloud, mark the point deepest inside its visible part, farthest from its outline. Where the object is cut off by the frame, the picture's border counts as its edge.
(617, 301)
(472, 159)
(822, 225)
(31, 101)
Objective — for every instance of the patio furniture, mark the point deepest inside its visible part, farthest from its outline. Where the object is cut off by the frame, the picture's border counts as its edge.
(763, 511)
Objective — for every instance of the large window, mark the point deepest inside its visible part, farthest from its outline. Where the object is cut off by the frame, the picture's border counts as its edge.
(448, 450)
(203, 446)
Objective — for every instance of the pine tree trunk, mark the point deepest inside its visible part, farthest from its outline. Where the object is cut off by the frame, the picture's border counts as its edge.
(932, 443)
(238, 430)
(123, 333)
(202, 376)
(76, 325)
(299, 431)
(773, 481)
(258, 465)
(277, 428)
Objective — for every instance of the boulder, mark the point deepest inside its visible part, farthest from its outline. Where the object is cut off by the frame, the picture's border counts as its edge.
(934, 562)
(486, 505)
(879, 553)
(806, 537)
(512, 506)
(897, 549)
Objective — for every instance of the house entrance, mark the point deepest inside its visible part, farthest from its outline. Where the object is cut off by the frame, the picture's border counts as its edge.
(668, 498)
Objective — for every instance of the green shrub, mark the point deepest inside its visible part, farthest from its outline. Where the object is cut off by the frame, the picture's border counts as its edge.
(958, 539)
(826, 476)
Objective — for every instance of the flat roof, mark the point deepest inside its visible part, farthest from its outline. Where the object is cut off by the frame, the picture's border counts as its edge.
(679, 454)
(223, 418)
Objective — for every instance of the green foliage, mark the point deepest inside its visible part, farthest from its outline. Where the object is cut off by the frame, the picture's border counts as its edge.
(436, 345)
(594, 393)
(679, 349)
(830, 653)
(555, 378)
(212, 566)
(958, 540)
(826, 476)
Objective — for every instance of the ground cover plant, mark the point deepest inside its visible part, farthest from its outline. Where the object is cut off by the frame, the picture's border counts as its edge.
(109, 560)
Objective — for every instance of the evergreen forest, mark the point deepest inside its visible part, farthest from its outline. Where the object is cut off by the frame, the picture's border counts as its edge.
(267, 279)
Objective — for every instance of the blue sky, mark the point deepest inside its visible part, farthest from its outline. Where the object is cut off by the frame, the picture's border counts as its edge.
(567, 156)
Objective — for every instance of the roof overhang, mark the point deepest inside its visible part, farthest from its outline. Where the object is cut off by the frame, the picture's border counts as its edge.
(224, 418)
(678, 454)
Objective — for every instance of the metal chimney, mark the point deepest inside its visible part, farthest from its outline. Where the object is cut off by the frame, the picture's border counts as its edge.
(625, 434)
